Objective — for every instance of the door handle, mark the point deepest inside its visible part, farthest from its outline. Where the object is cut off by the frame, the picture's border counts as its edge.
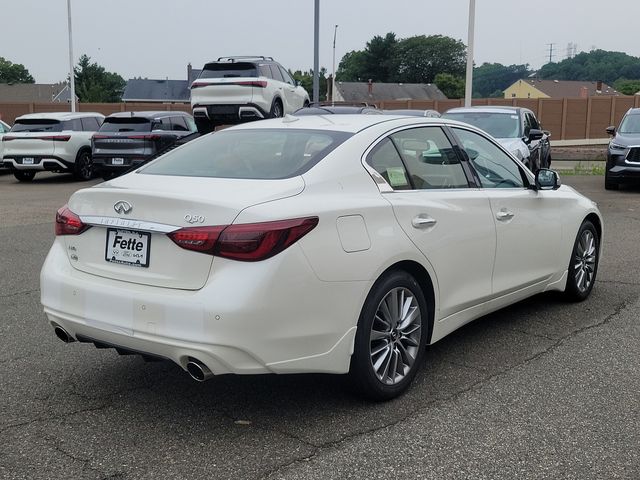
(423, 221)
(505, 215)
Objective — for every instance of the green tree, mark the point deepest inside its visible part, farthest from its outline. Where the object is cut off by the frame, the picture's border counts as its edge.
(306, 81)
(421, 58)
(490, 79)
(451, 85)
(95, 84)
(352, 66)
(627, 87)
(592, 66)
(14, 72)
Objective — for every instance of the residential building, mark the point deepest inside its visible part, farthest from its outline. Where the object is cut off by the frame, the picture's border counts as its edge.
(35, 92)
(371, 92)
(535, 88)
(158, 90)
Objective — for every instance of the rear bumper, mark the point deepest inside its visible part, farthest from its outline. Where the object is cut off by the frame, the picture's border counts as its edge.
(104, 163)
(49, 163)
(245, 320)
(234, 113)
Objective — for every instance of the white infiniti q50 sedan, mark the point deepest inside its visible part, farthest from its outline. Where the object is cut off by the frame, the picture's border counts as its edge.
(342, 244)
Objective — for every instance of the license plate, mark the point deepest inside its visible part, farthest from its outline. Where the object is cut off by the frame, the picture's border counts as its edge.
(28, 161)
(128, 247)
(117, 161)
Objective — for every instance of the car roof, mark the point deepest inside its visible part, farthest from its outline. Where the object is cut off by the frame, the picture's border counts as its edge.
(337, 109)
(149, 114)
(486, 109)
(58, 115)
(351, 123)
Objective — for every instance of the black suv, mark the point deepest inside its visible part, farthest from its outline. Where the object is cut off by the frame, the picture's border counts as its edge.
(126, 140)
(623, 155)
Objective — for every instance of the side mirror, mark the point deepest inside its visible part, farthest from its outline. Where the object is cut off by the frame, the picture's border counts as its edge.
(611, 131)
(535, 134)
(547, 180)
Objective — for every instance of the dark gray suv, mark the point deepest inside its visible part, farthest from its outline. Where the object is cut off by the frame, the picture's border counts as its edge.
(623, 155)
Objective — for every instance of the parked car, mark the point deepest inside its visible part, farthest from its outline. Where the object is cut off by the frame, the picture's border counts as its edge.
(239, 89)
(55, 142)
(126, 140)
(623, 154)
(4, 128)
(312, 246)
(516, 128)
(414, 112)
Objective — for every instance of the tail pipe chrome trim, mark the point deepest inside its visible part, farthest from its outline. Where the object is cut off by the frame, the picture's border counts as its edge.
(63, 335)
(198, 370)
(249, 112)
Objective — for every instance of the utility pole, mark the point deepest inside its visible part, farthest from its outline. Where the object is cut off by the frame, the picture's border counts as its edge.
(316, 52)
(333, 75)
(468, 88)
(72, 78)
(551, 54)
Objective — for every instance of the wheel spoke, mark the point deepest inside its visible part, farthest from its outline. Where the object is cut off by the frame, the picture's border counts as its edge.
(378, 335)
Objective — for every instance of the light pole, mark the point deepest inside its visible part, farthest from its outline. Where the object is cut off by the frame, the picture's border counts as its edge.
(468, 90)
(316, 52)
(333, 75)
(72, 80)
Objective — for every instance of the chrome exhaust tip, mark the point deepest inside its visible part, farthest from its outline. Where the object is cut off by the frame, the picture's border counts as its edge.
(198, 370)
(62, 334)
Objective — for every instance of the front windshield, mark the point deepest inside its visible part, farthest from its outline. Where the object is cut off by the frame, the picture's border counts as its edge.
(630, 124)
(498, 125)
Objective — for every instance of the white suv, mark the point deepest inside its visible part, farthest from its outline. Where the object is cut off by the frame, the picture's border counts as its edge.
(55, 142)
(239, 89)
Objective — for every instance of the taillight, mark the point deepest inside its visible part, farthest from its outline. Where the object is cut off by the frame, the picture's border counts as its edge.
(7, 138)
(253, 83)
(51, 138)
(249, 242)
(198, 84)
(200, 239)
(68, 223)
(144, 137)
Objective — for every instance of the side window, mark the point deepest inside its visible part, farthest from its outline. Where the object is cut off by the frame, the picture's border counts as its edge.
(286, 76)
(429, 158)
(495, 168)
(264, 71)
(384, 158)
(178, 124)
(161, 124)
(90, 124)
(533, 121)
(191, 124)
(74, 125)
(275, 73)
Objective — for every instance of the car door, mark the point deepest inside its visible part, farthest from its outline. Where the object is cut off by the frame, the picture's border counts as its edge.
(528, 226)
(449, 221)
(293, 97)
(530, 122)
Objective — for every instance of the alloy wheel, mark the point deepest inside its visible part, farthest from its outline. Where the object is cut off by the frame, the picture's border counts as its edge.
(395, 336)
(584, 261)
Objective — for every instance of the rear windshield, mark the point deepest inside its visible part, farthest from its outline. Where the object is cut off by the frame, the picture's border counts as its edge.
(126, 124)
(229, 70)
(37, 125)
(249, 154)
(498, 125)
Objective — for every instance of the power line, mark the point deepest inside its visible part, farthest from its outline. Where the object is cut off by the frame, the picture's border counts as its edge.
(551, 54)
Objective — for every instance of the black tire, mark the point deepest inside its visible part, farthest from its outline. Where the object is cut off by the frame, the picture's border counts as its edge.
(276, 109)
(583, 264)
(83, 169)
(610, 184)
(24, 175)
(204, 126)
(375, 383)
(306, 104)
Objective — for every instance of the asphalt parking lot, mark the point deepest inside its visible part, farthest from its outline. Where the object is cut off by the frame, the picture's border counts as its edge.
(543, 389)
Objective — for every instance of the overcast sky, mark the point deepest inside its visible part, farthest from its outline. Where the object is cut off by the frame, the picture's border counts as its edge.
(157, 38)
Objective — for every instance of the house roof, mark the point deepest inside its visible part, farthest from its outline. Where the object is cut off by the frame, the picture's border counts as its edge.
(153, 90)
(34, 92)
(359, 91)
(571, 88)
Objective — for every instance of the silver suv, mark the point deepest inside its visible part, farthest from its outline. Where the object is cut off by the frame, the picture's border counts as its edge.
(239, 89)
(55, 142)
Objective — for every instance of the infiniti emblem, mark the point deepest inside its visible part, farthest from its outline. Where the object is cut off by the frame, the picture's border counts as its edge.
(122, 207)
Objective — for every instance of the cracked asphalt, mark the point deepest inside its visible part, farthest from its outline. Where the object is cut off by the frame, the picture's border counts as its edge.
(542, 389)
